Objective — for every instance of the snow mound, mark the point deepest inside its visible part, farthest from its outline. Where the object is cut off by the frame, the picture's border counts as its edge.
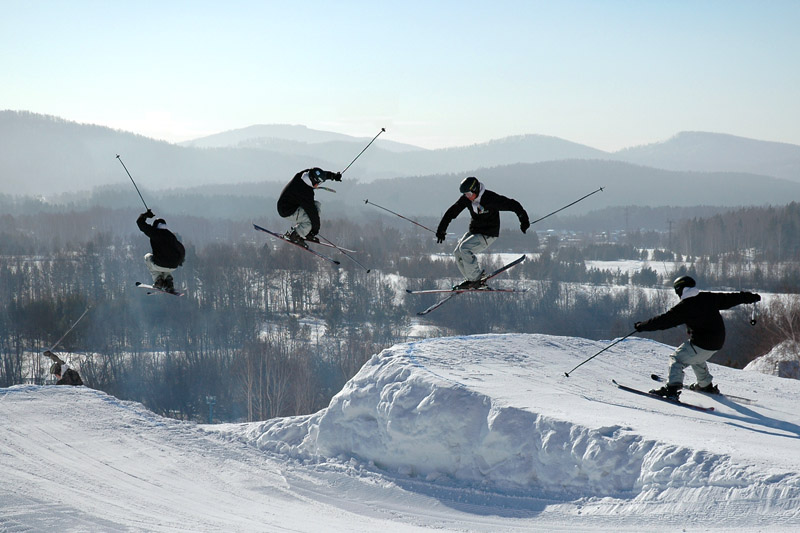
(496, 412)
(782, 361)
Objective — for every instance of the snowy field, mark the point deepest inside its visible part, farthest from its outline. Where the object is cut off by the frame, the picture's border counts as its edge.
(480, 433)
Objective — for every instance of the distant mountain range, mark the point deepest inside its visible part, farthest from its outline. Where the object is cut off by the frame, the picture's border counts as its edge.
(44, 155)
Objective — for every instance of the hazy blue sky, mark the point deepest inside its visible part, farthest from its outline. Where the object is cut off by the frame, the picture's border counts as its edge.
(609, 74)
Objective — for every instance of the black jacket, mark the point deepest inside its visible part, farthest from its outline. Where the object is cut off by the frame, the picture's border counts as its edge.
(168, 252)
(487, 222)
(70, 377)
(298, 193)
(701, 315)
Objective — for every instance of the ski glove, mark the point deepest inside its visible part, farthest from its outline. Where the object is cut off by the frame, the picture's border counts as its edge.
(524, 225)
(440, 235)
(337, 177)
(751, 298)
(637, 326)
(149, 214)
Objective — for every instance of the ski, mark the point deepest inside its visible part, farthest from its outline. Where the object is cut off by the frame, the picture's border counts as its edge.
(155, 290)
(459, 291)
(657, 397)
(284, 239)
(453, 292)
(740, 399)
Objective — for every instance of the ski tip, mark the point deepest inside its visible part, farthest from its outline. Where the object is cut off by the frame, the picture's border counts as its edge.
(138, 283)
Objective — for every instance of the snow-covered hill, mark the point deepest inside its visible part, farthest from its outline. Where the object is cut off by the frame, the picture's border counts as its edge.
(479, 433)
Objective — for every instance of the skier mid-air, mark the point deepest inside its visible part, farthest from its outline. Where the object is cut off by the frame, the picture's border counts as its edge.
(167, 251)
(484, 228)
(297, 203)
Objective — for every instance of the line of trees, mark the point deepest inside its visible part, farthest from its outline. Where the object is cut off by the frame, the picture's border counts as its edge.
(270, 331)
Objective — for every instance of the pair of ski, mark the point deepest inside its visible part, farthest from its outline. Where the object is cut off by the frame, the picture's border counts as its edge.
(324, 257)
(662, 398)
(155, 290)
(451, 293)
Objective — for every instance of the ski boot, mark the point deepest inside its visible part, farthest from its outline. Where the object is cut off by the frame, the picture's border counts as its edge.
(295, 237)
(670, 392)
(160, 283)
(169, 284)
(472, 284)
(708, 389)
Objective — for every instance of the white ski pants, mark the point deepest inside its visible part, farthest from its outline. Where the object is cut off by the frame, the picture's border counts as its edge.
(688, 354)
(302, 223)
(155, 270)
(469, 245)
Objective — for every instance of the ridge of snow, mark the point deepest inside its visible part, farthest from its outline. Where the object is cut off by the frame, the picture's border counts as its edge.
(424, 410)
(471, 433)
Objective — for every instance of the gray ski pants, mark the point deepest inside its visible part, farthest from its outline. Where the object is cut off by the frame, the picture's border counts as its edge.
(155, 270)
(688, 354)
(302, 224)
(469, 245)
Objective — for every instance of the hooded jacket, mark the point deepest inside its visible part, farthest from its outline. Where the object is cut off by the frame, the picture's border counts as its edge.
(168, 252)
(299, 192)
(700, 312)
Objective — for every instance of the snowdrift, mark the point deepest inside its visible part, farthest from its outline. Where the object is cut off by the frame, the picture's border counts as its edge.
(496, 412)
(478, 433)
(782, 361)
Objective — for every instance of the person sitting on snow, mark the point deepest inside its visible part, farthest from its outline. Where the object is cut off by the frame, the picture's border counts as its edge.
(63, 373)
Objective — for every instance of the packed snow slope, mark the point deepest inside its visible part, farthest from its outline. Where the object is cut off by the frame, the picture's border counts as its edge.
(477, 433)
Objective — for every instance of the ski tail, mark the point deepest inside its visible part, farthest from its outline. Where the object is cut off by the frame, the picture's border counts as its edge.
(504, 268)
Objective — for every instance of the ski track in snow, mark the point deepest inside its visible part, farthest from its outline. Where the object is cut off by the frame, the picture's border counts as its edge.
(470, 433)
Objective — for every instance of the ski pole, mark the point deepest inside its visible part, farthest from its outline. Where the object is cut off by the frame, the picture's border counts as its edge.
(350, 257)
(134, 183)
(53, 347)
(753, 315)
(399, 215)
(568, 205)
(362, 151)
(601, 351)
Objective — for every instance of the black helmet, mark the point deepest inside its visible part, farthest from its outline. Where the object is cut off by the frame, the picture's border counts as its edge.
(470, 184)
(681, 283)
(315, 175)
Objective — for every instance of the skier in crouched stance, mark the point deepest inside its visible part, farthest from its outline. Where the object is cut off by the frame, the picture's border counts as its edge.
(699, 310)
(167, 251)
(297, 203)
(484, 228)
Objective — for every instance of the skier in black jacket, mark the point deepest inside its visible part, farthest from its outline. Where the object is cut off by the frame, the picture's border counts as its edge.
(63, 373)
(484, 208)
(167, 251)
(700, 312)
(296, 203)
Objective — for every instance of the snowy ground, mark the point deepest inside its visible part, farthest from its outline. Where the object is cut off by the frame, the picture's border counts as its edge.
(481, 433)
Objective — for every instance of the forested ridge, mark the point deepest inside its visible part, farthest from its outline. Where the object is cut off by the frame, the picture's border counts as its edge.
(268, 330)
